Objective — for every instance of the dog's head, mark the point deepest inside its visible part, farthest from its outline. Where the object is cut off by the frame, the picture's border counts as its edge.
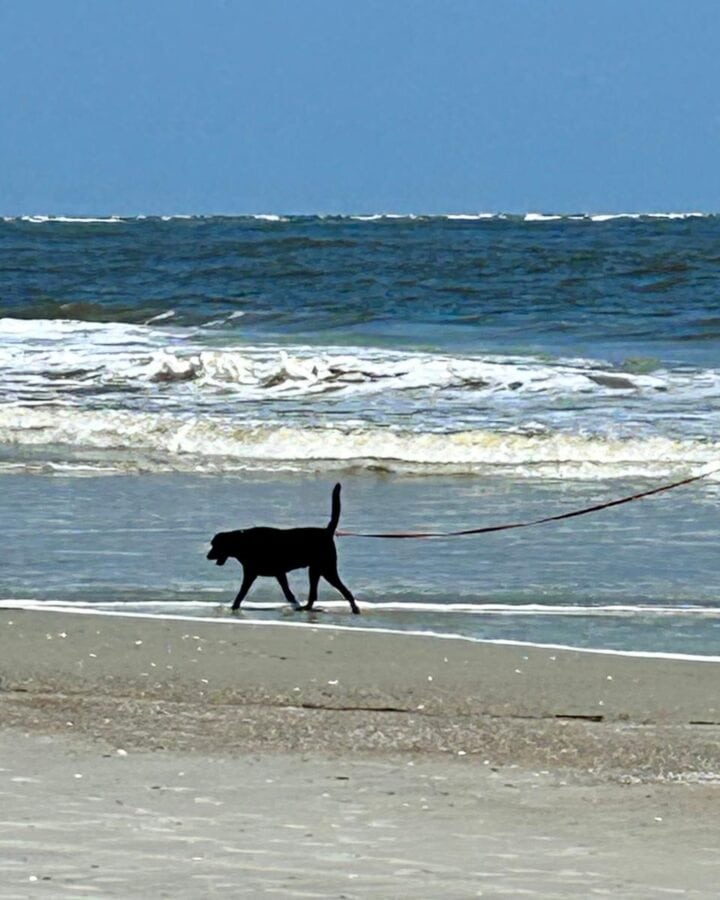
(220, 547)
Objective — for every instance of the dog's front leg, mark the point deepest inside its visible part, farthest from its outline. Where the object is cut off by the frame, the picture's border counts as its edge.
(289, 596)
(248, 578)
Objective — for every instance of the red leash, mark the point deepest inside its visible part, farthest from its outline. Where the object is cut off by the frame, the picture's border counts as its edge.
(400, 535)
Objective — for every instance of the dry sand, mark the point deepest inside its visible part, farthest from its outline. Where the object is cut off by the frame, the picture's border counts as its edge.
(152, 758)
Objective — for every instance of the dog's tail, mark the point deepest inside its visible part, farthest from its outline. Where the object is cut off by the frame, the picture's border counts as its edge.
(335, 513)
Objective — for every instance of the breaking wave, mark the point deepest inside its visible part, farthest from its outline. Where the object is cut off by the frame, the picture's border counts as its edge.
(161, 393)
(165, 441)
(56, 354)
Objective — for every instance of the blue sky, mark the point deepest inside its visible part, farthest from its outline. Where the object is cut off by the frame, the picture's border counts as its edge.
(173, 106)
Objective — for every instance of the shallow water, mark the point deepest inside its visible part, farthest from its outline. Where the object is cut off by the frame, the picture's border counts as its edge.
(640, 576)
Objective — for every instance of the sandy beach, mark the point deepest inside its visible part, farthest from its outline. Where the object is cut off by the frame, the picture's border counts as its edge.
(148, 757)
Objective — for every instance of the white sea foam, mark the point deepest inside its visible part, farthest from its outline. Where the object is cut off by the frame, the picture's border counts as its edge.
(133, 355)
(136, 354)
(678, 215)
(609, 217)
(104, 220)
(161, 317)
(376, 217)
(26, 335)
(471, 217)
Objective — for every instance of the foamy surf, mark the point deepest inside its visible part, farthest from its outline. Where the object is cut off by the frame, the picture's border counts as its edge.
(54, 357)
(167, 442)
(160, 391)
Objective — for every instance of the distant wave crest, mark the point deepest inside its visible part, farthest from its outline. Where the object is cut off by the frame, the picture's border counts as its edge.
(281, 218)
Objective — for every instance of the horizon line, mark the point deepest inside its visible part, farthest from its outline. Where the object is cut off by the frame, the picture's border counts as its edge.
(528, 215)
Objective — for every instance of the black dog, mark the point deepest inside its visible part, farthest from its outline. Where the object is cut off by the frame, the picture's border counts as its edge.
(276, 551)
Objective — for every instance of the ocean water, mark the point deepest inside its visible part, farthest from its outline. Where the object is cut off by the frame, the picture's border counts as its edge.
(165, 378)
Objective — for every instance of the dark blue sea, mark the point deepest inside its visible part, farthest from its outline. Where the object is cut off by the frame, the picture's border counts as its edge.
(165, 378)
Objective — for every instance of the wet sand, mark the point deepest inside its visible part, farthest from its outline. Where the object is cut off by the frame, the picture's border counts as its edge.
(144, 757)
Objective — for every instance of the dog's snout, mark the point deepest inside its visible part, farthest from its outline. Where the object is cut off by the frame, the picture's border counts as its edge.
(220, 559)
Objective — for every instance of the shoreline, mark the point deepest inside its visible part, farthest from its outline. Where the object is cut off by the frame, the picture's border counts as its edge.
(69, 609)
(208, 687)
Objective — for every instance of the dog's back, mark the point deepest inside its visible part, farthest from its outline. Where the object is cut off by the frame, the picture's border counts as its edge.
(273, 550)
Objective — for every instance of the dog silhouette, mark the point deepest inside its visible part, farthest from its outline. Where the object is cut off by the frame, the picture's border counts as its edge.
(273, 552)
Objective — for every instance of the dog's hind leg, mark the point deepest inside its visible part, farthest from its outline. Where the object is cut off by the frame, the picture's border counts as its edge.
(247, 582)
(332, 577)
(314, 576)
(289, 596)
